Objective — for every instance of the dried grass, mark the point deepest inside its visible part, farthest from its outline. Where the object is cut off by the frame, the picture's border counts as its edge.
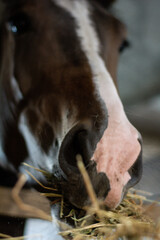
(129, 221)
(23, 206)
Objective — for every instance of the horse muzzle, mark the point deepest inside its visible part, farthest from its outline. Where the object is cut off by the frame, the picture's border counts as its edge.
(82, 139)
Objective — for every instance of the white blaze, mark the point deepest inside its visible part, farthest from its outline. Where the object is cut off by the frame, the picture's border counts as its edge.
(118, 149)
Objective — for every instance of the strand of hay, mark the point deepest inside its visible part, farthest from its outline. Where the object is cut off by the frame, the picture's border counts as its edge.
(61, 210)
(36, 180)
(4, 235)
(141, 192)
(87, 182)
(52, 195)
(25, 207)
(45, 173)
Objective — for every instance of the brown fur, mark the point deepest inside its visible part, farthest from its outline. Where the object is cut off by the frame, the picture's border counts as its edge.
(56, 82)
(47, 61)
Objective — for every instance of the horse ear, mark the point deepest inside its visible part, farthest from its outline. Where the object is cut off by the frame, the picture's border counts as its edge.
(105, 3)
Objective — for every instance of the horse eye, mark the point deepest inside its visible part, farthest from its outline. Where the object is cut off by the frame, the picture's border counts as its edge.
(125, 44)
(19, 23)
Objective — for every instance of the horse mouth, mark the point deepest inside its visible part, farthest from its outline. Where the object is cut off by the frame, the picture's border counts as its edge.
(71, 183)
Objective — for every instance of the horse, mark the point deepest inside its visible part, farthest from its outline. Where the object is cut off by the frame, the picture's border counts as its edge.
(59, 98)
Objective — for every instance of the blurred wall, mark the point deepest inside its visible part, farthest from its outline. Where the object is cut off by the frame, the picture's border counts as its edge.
(139, 68)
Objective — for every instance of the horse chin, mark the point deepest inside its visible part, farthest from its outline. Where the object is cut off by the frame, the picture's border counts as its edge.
(74, 189)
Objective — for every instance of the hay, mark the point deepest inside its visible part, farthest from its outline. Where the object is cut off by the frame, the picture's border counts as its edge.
(128, 221)
(23, 206)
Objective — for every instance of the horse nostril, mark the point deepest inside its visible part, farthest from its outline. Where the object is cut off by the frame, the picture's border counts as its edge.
(136, 170)
(76, 142)
(81, 140)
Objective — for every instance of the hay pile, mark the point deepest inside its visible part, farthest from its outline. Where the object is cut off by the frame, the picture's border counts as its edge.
(131, 220)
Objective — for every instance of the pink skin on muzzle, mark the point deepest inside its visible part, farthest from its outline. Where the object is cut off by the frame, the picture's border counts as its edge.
(115, 154)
